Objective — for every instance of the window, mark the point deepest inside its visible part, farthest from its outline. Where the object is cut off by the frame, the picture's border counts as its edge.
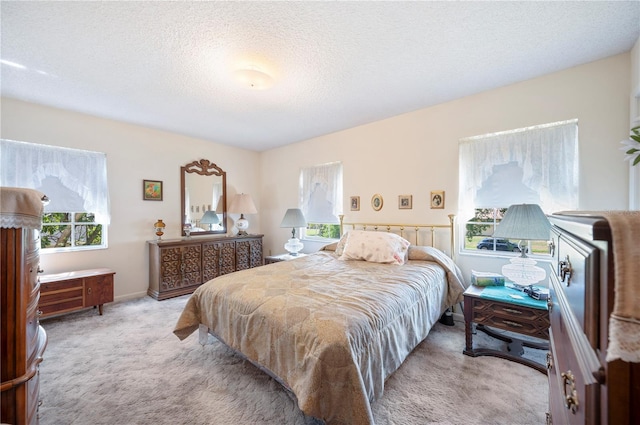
(321, 200)
(530, 165)
(71, 230)
(75, 181)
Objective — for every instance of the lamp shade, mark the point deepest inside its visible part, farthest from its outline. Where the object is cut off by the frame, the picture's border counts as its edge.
(524, 222)
(242, 204)
(293, 218)
(210, 217)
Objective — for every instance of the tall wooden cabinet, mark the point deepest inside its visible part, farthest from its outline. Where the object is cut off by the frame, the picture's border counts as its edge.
(584, 388)
(23, 339)
(178, 266)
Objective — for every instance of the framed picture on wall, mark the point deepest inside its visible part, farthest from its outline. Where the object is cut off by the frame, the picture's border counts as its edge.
(152, 190)
(376, 202)
(437, 199)
(405, 202)
(355, 203)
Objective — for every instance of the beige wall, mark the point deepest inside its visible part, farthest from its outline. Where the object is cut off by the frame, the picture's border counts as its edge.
(417, 152)
(413, 153)
(133, 153)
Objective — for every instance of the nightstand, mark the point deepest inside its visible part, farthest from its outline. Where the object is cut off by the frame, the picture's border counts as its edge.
(496, 307)
(282, 257)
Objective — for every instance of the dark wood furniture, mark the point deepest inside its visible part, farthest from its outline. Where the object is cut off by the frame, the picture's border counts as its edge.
(281, 257)
(583, 386)
(76, 290)
(506, 314)
(177, 267)
(23, 339)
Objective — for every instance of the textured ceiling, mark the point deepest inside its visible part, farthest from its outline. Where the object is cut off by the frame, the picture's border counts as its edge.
(336, 65)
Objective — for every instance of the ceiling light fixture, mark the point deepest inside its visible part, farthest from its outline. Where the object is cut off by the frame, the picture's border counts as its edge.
(253, 78)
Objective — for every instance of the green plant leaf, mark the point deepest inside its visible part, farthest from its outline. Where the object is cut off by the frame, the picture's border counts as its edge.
(632, 151)
(635, 162)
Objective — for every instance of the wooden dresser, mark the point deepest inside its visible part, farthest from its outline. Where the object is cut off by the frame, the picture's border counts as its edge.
(76, 290)
(178, 266)
(583, 387)
(23, 339)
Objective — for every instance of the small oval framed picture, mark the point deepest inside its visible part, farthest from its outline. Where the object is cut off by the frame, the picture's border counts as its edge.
(376, 202)
(437, 199)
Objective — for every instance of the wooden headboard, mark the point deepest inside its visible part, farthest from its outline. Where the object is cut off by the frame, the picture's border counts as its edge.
(417, 234)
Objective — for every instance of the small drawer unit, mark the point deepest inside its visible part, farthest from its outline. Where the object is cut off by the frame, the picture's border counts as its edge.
(72, 291)
(496, 307)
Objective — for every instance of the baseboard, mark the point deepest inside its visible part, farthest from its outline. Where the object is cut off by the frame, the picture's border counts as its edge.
(130, 297)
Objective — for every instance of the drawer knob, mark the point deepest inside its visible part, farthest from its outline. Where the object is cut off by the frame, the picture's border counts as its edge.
(565, 270)
(570, 399)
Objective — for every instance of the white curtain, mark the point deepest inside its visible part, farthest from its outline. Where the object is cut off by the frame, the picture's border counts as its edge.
(74, 180)
(530, 165)
(321, 193)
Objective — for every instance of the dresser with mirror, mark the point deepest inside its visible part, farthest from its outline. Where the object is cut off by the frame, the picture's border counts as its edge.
(178, 266)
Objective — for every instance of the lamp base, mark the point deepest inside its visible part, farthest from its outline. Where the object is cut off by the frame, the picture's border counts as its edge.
(293, 246)
(242, 224)
(523, 272)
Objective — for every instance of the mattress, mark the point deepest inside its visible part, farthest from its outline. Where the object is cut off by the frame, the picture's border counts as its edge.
(330, 331)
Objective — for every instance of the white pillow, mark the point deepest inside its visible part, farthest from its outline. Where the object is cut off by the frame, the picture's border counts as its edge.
(376, 247)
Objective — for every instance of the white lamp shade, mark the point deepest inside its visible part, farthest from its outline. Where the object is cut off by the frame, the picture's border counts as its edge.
(293, 218)
(524, 222)
(242, 204)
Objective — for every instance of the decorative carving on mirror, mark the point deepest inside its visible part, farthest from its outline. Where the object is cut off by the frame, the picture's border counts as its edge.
(203, 198)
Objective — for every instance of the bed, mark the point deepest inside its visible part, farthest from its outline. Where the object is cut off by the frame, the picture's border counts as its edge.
(328, 327)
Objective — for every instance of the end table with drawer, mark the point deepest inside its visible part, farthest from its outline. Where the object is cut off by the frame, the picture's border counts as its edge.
(282, 257)
(507, 309)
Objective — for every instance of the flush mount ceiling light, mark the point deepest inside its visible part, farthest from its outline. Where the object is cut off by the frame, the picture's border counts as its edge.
(253, 78)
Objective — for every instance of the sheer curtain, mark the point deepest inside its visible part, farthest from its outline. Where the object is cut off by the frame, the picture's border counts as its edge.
(321, 193)
(530, 165)
(74, 180)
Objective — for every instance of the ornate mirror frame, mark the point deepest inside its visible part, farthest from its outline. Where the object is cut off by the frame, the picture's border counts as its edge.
(209, 172)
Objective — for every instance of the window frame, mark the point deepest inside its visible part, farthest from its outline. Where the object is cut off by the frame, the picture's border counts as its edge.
(304, 235)
(73, 223)
(530, 148)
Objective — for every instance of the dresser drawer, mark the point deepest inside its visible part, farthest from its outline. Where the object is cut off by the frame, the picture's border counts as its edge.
(574, 368)
(510, 317)
(61, 296)
(576, 271)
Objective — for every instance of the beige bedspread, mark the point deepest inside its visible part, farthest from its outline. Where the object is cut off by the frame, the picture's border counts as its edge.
(331, 330)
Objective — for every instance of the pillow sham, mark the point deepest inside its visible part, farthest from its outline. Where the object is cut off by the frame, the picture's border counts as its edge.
(376, 247)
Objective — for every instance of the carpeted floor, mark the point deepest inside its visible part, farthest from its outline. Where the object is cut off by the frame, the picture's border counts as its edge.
(127, 367)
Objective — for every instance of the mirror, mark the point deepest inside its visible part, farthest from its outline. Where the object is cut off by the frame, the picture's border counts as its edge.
(203, 198)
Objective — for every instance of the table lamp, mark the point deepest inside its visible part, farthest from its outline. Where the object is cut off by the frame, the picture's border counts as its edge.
(210, 218)
(525, 222)
(242, 204)
(293, 218)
